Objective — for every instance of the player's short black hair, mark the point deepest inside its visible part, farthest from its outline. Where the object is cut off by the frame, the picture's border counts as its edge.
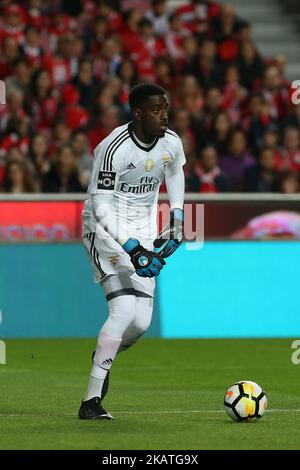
(141, 92)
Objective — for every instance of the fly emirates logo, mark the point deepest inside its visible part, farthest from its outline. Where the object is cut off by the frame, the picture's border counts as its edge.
(147, 184)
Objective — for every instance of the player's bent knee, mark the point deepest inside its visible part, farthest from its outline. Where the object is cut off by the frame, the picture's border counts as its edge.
(141, 325)
(143, 315)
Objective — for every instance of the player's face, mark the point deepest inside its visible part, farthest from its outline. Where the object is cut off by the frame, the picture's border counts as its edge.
(154, 115)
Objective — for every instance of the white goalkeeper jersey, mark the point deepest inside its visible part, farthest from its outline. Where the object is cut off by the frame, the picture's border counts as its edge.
(132, 174)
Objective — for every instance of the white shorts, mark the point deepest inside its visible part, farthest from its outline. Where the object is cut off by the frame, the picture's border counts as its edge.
(108, 258)
(116, 285)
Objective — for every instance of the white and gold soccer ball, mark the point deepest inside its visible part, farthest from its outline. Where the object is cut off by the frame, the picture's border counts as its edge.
(245, 401)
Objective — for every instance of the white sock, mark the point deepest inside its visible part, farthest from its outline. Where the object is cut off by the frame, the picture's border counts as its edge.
(106, 351)
(94, 387)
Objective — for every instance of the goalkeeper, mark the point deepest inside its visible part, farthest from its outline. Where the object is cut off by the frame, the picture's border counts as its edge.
(120, 232)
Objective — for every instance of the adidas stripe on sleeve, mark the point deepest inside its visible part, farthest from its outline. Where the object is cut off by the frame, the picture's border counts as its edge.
(105, 168)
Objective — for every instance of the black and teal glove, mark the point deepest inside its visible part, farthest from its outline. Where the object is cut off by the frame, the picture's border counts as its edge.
(171, 236)
(146, 263)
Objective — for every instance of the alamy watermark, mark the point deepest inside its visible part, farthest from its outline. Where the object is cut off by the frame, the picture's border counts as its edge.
(2, 92)
(2, 352)
(114, 222)
(295, 358)
(296, 94)
(2, 345)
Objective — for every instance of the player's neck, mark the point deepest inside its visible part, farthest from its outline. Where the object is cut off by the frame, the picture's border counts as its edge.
(142, 136)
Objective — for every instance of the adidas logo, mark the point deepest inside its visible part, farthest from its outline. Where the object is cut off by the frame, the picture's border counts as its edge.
(107, 362)
(131, 166)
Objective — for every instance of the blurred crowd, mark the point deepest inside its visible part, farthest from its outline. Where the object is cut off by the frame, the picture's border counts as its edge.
(69, 65)
(292, 6)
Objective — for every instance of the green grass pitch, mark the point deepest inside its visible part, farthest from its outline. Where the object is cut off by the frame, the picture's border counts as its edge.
(164, 394)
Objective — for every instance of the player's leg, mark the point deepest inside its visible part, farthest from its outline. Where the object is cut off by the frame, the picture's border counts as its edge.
(121, 314)
(135, 330)
(144, 288)
(140, 323)
(121, 303)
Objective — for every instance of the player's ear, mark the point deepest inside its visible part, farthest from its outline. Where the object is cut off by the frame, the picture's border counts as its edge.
(137, 112)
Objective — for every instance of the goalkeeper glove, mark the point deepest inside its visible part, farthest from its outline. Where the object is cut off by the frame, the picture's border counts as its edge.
(146, 263)
(171, 236)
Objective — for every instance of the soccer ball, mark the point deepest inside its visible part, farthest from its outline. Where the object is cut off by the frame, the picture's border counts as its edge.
(245, 401)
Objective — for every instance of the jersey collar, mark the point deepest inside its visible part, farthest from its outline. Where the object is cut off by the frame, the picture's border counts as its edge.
(146, 149)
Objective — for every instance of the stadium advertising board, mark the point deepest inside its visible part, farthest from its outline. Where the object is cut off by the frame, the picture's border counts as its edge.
(37, 221)
(61, 220)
